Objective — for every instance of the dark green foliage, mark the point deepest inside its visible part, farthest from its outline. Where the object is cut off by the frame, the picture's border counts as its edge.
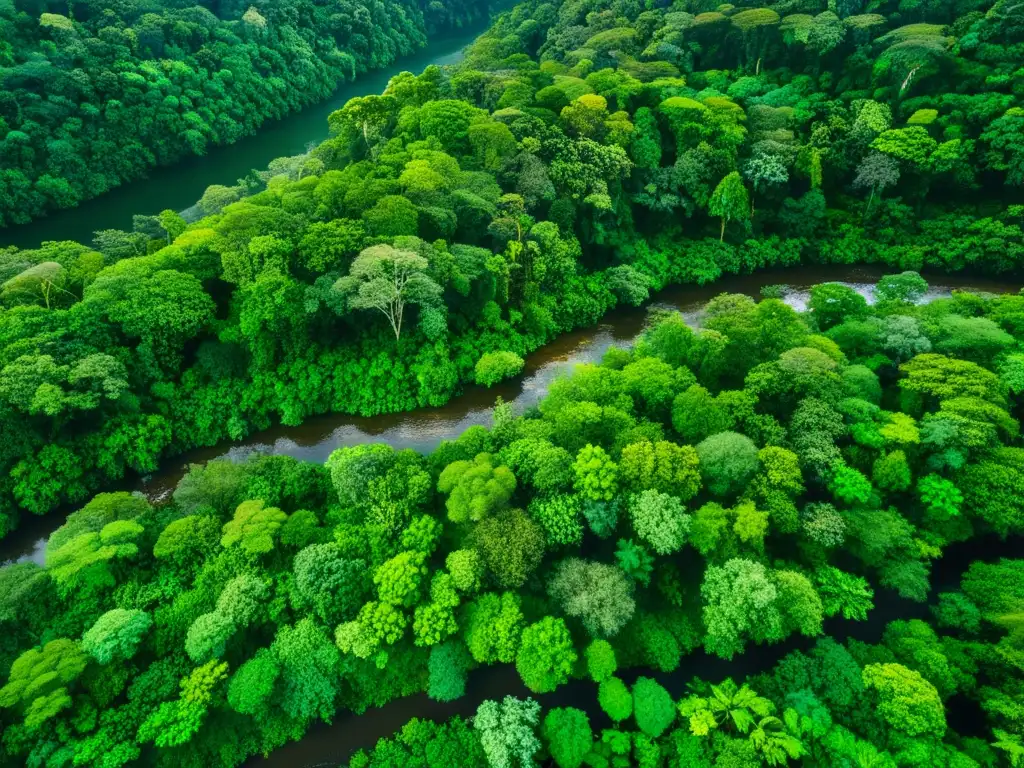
(653, 707)
(449, 663)
(728, 462)
(223, 603)
(66, 67)
(723, 488)
(569, 736)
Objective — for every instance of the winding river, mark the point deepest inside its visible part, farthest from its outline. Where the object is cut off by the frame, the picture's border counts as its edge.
(424, 429)
(178, 187)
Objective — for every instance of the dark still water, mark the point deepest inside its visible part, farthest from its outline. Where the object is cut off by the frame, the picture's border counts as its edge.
(424, 429)
(179, 186)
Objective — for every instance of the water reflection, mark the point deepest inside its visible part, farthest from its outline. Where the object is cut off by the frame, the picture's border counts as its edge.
(423, 429)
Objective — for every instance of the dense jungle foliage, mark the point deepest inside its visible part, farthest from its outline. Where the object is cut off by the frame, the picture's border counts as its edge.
(727, 489)
(96, 93)
(585, 154)
(721, 489)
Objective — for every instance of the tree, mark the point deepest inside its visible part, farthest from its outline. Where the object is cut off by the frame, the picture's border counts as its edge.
(399, 580)
(941, 497)
(116, 635)
(493, 367)
(849, 485)
(309, 671)
(492, 144)
(493, 626)
(697, 414)
(904, 288)
(912, 145)
(102, 509)
(891, 472)
(1005, 135)
(629, 285)
(602, 516)
(392, 484)
(601, 663)
(653, 707)
(331, 584)
(801, 607)
(765, 169)
(823, 524)
(161, 308)
(740, 601)
(659, 520)
(660, 466)
(546, 655)
(729, 201)
(465, 568)
(392, 216)
(87, 558)
(568, 734)
(477, 488)
(378, 623)
(615, 699)
(449, 120)
(941, 377)
(597, 476)
(328, 246)
(598, 594)
(40, 678)
(448, 667)
(186, 541)
(832, 303)
(387, 279)
(728, 461)
(251, 687)
(990, 490)
(432, 623)
(174, 723)
(727, 707)
(905, 700)
(367, 117)
(219, 485)
(646, 144)
(634, 560)
(253, 528)
(508, 731)
(559, 516)
(208, 636)
(876, 172)
(422, 535)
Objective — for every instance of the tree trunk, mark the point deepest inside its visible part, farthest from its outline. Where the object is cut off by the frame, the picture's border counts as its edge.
(721, 237)
(868, 209)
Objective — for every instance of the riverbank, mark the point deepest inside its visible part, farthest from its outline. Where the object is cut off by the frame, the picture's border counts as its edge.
(424, 429)
(179, 186)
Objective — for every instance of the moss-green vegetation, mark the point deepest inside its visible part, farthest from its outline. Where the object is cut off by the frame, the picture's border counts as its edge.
(94, 94)
(583, 538)
(469, 215)
(724, 489)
